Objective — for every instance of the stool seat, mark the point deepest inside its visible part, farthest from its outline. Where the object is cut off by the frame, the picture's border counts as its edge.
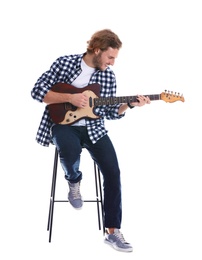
(98, 196)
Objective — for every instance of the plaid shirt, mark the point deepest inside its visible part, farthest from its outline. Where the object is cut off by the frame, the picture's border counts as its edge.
(66, 69)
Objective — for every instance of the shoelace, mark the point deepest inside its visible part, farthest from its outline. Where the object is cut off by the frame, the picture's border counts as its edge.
(120, 236)
(76, 192)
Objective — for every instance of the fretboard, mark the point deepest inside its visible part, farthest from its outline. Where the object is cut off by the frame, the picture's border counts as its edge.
(118, 100)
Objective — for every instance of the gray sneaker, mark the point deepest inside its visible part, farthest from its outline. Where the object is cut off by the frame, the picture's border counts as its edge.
(117, 241)
(74, 195)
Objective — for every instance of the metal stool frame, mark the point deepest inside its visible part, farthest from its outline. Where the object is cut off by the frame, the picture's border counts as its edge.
(98, 199)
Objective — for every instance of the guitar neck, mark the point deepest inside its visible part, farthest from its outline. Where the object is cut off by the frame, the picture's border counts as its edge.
(117, 100)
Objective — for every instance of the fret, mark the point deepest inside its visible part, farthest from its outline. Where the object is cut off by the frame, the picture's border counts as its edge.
(154, 97)
(118, 100)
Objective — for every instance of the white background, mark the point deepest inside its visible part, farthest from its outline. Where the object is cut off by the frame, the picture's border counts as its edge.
(158, 145)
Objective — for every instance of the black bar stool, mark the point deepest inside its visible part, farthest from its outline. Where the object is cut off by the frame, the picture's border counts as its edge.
(98, 197)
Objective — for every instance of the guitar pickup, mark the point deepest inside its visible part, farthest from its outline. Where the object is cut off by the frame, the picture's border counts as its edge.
(90, 101)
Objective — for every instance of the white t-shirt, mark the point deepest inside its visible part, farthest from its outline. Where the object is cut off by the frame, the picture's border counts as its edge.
(82, 81)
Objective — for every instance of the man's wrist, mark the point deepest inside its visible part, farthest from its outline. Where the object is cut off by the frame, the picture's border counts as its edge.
(129, 105)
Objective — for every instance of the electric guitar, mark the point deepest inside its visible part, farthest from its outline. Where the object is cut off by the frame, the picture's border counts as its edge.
(66, 113)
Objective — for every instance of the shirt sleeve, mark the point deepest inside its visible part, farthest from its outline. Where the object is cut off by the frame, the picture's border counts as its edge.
(46, 81)
(109, 112)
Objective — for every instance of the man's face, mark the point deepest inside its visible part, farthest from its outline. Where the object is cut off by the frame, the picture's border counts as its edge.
(103, 59)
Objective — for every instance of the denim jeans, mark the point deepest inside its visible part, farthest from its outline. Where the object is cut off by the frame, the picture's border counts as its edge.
(70, 140)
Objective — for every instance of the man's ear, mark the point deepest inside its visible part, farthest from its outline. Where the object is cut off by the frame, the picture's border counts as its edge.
(97, 50)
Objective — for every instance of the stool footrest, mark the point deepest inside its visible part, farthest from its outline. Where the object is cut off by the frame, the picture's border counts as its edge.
(98, 200)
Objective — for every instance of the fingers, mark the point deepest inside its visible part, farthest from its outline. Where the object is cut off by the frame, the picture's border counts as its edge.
(84, 101)
(147, 100)
(143, 100)
(80, 100)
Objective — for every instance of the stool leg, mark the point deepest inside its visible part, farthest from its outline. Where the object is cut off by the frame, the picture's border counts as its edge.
(97, 195)
(52, 196)
(99, 199)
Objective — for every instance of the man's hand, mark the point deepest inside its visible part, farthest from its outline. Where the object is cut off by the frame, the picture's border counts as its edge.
(79, 100)
(142, 101)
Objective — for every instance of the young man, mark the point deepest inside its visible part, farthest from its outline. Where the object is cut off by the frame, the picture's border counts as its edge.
(79, 71)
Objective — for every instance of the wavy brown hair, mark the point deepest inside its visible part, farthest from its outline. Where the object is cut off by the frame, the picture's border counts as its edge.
(103, 40)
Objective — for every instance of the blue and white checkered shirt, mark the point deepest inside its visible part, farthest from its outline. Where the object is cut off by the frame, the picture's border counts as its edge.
(66, 69)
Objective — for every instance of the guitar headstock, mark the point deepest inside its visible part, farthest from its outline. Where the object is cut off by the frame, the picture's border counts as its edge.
(170, 96)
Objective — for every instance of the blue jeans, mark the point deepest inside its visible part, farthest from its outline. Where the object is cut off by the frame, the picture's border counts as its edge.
(69, 141)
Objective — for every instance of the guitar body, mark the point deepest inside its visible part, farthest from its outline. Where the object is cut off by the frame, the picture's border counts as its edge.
(66, 113)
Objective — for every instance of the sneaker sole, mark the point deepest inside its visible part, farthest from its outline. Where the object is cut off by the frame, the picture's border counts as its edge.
(113, 245)
(71, 203)
(77, 208)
